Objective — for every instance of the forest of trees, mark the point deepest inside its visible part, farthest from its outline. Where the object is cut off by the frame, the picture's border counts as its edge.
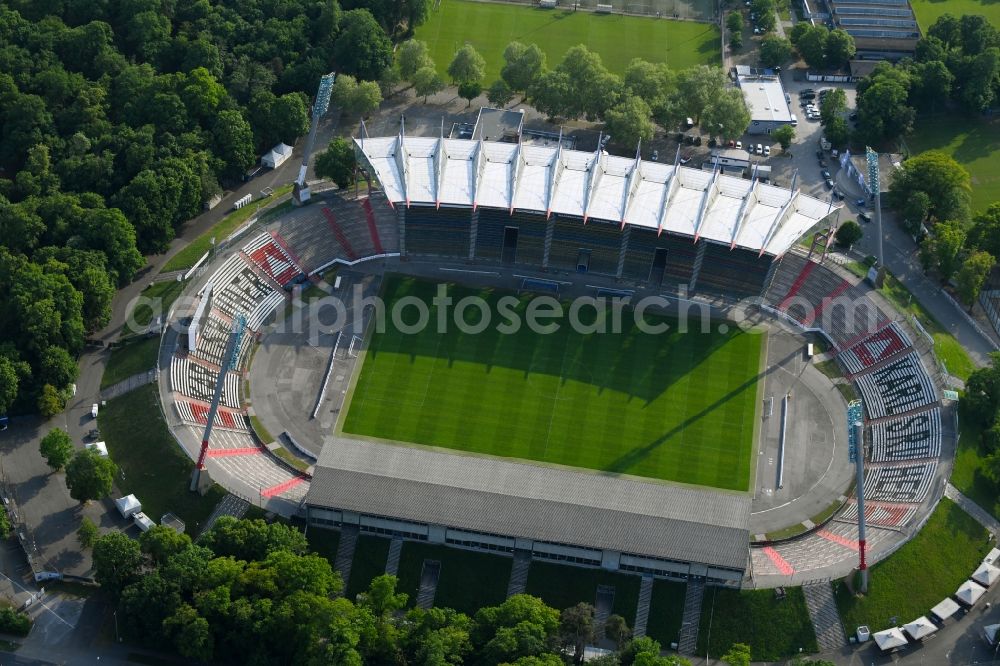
(252, 593)
(118, 119)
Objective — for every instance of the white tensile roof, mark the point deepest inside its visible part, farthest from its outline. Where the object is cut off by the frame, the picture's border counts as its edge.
(986, 574)
(549, 179)
(969, 592)
(945, 609)
(890, 639)
(920, 628)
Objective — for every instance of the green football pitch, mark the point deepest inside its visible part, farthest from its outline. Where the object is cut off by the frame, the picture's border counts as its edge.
(490, 27)
(672, 406)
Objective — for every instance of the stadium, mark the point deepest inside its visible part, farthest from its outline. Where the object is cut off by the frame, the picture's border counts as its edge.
(673, 454)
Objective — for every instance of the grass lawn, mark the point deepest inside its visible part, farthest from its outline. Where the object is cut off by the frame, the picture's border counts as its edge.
(967, 474)
(490, 27)
(369, 561)
(673, 406)
(928, 11)
(187, 257)
(152, 465)
(666, 609)
(773, 628)
(973, 142)
(468, 580)
(562, 586)
(944, 553)
(163, 294)
(133, 358)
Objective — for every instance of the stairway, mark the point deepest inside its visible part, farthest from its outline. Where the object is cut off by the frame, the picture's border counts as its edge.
(428, 583)
(519, 573)
(626, 235)
(642, 608)
(345, 552)
(230, 505)
(824, 616)
(473, 234)
(392, 562)
(603, 603)
(688, 642)
(550, 228)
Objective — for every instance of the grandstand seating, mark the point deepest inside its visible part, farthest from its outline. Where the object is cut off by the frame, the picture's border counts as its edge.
(877, 347)
(602, 239)
(904, 483)
(896, 388)
(642, 246)
(440, 232)
(681, 254)
(271, 258)
(530, 235)
(881, 514)
(197, 413)
(212, 340)
(734, 272)
(237, 288)
(198, 382)
(907, 438)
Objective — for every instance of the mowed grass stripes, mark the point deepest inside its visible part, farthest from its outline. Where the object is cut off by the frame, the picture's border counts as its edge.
(672, 406)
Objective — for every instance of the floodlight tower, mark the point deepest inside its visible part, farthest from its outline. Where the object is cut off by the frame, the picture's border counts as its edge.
(876, 275)
(859, 462)
(300, 191)
(231, 357)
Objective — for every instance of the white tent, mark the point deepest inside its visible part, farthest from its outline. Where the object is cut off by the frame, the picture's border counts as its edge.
(100, 447)
(276, 156)
(986, 574)
(890, 639)
(990, 632)
(128, 505)
(969, 592)
(920, 628)
(945, 609)
(992, 556)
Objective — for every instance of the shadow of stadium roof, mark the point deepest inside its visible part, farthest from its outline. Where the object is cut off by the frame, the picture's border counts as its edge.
(549, 179)
(517, 499)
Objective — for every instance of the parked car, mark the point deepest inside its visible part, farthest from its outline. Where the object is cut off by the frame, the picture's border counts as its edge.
(760, 149)
(767, 151)
(750, 148)
(838, 195)
(865, 217)
(860, 203)
(739, 145)
(806, 91)
(826, 174)
(829, 183)
(655, 156)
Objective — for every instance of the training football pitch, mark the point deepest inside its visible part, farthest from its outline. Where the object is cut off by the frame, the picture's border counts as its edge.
(928, 11)
(489, 27)
(672, 406)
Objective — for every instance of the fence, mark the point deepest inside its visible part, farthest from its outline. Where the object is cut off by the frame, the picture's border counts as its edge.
(687, 10)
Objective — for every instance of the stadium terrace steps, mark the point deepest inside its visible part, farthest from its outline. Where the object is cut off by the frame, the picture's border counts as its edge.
(271, 258)
(395, 550)
(345, 552)
(642, 608)
(824, 616)
(896, 389)
(372, 225)
(519, 573)
(688, 642)
(430, 572)
(797, 285)
(604, 601)
(877, 348)
(230, 505)
(339, 234)
(883, 514)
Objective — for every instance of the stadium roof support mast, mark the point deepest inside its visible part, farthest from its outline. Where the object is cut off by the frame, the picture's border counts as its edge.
(300, 191)
(859, 462)
(232, 353)
(876, 274)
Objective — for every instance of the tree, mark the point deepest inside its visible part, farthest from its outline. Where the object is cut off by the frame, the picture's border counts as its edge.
(914, 211)
(550, 92)
(191, 633)
(87, 533)
(764, 10)
(252, 540)
(289, 118)
(849, 233)
(50, 402)
(972, 275)
(591, 89)
(736, 41)
(811, 45)
(833, 105)
(629, 122)
(616, 630)
(932, 84)
(884, 113)
(984, 233)
(784, 135)
(469, 90)
(337, 162)
(9, 384)
(57, 448)
(233, 142)
(427, 82)
(499, 94)
(727, 114)
(576, 628)
(412, 55)
(698, 87)
(945, 181)
(837, 131)
(522, 65)
(356, 97)
(467, 65)
(941, 249)
(161, 543)
(522, 626)
(774, 50)
(89, 476)
(362, 49)
(117, 562)
(734, 22)
(839, 49)
(738, 655)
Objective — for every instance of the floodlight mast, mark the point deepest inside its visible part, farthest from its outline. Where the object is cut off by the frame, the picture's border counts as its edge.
(300, 191)
(871, 157)
(231, 358)
(859, 434)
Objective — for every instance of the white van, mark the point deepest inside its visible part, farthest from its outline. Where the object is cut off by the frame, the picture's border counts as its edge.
(93, 410)
(795, 121)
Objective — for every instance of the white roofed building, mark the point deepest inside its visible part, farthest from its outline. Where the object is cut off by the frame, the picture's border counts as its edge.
(765, 99)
